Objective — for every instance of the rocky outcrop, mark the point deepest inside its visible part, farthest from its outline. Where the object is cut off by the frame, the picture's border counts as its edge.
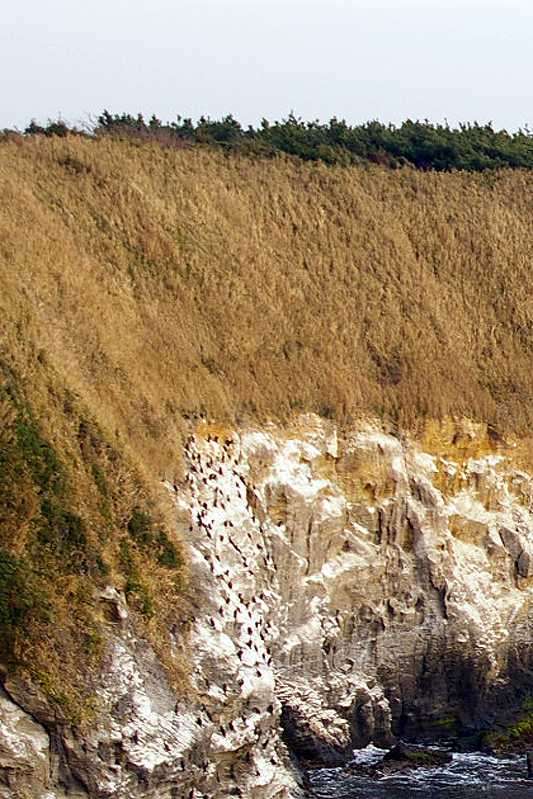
(403, 758)
(347, 588)
(24, 752)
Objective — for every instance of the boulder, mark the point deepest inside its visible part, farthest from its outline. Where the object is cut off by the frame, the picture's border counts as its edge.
(402, 757)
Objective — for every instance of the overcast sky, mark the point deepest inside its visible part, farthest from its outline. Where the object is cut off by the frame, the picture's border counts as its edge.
(358, 60)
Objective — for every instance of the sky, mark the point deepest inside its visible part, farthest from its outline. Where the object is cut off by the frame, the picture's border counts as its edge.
(447, 60)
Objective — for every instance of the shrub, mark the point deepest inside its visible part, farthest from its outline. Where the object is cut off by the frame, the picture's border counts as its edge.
(424, 145)
(19, 596)
(140, 527)
(167, 552)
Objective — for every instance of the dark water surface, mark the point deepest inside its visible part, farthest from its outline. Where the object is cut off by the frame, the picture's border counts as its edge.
(466, 777)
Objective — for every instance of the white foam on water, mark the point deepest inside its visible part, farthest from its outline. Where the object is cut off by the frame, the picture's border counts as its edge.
(468, 776)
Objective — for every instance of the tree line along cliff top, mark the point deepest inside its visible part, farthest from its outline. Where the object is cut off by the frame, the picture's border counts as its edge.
(423, 145)
(146, 286)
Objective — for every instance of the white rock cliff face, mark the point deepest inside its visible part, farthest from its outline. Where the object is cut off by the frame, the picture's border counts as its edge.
(346, 590)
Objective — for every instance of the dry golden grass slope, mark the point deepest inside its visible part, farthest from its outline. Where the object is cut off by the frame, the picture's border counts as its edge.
(158, 283)
(142, 286)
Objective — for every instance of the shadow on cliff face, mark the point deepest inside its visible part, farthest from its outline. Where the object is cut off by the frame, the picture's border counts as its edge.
(442, 697)
(452, 696)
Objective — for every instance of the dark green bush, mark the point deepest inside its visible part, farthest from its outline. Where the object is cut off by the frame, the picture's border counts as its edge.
(55, 127)
(168, 554)
(38, 455)
(141, 530)
(63, 530)
(424, 145)
(140, 527)
(134, 587)
(20, 595)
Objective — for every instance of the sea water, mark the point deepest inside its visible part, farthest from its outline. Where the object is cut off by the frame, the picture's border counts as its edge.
(469, 775)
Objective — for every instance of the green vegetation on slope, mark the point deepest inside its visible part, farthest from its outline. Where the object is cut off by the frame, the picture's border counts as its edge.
(64, 524)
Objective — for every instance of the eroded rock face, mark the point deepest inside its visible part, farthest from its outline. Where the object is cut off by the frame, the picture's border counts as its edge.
(24, 753)
(347, 590)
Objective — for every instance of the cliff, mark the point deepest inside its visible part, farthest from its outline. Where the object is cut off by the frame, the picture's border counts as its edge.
(347, 587)
(190, 606)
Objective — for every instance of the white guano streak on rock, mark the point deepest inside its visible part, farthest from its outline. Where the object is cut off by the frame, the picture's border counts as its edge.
(307, 587)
